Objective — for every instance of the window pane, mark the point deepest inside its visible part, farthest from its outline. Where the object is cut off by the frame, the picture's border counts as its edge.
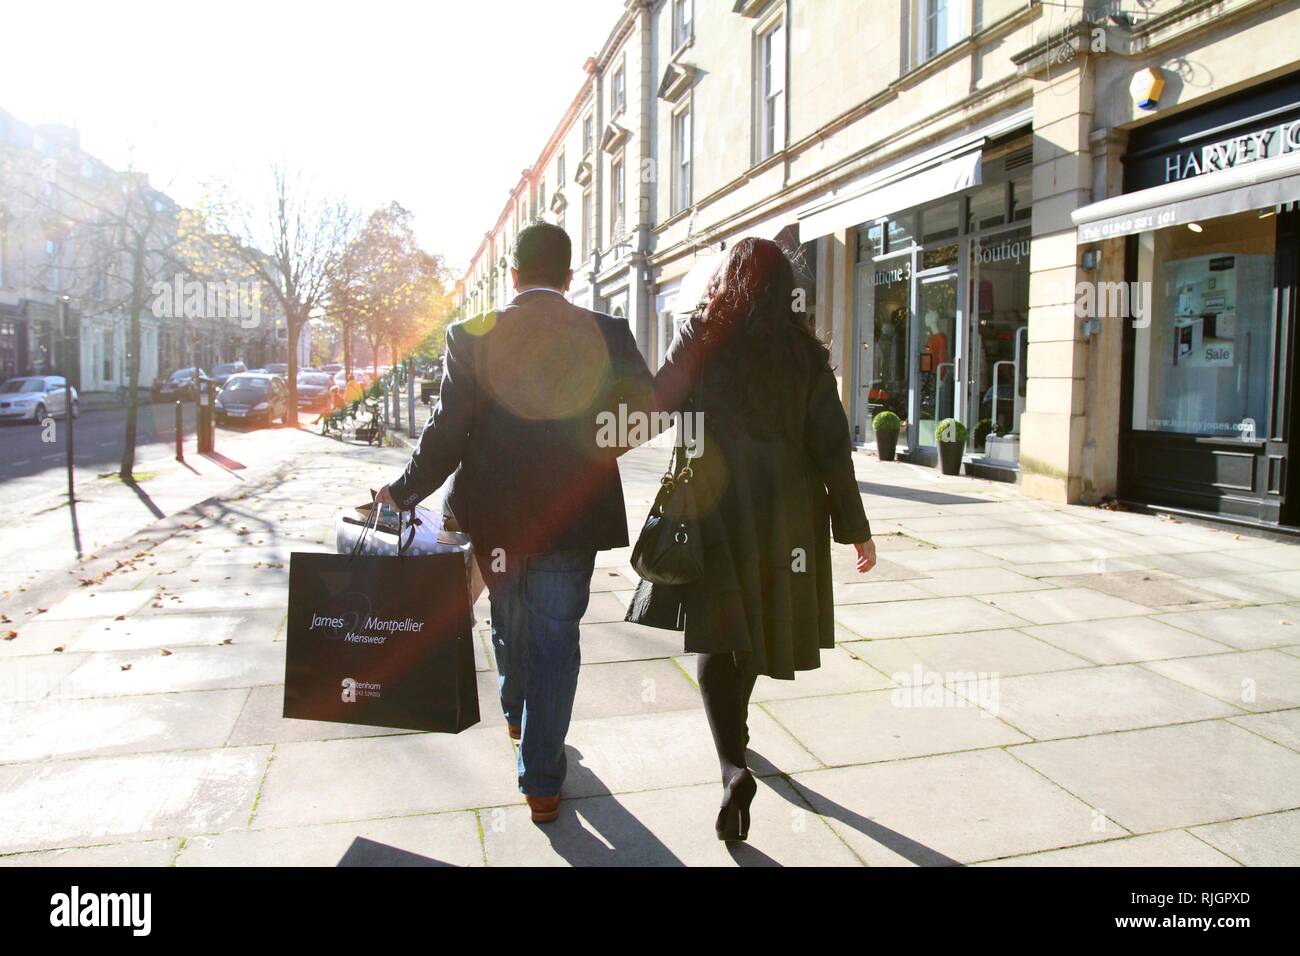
(1201, 364)
(901, 232)
(988, 207)
(939, 222)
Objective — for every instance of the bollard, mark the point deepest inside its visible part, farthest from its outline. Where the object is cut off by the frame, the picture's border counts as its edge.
(180, 431)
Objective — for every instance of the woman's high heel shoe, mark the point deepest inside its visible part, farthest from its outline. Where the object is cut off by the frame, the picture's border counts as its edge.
(733, 817)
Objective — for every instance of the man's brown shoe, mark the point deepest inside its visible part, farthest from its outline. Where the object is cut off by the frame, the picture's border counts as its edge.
(545, 809)
(513, 731)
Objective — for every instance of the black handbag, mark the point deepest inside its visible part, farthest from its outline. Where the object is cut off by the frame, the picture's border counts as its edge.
(670, 548)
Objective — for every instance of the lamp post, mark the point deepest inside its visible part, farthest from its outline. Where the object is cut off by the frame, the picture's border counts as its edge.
(65, 322)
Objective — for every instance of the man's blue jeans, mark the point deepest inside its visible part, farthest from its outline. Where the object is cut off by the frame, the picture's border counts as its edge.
(537, 601)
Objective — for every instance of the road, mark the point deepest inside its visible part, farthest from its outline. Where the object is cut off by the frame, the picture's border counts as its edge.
(97, 438)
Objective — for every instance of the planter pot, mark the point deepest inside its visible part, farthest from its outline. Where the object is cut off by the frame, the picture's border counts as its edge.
(886, 445)
(950, 456)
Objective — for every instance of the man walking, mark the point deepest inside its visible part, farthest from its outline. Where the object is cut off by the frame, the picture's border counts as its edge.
(536, 486)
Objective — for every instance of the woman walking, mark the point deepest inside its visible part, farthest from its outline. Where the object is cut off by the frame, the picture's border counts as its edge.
(773, 482)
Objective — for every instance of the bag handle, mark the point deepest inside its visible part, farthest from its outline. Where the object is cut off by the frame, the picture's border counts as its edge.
(371, 522)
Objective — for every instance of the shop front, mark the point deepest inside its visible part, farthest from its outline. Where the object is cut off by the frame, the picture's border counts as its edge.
(1212, 236)
(941, 300)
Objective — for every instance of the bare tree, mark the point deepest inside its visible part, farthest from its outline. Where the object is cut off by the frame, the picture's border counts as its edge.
(294, 242)
(122, 237)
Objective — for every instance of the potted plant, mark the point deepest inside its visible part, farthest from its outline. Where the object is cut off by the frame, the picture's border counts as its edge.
(886, 425)
(951, 436)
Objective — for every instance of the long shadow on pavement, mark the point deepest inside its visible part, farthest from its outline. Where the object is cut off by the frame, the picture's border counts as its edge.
(910, 850)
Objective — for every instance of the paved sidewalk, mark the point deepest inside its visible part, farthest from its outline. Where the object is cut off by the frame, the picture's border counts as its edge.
(1121, 689)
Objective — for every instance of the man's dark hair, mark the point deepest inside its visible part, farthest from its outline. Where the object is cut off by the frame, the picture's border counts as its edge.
(542, 254)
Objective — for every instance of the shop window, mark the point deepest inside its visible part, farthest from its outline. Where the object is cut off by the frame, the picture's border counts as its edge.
(884, 294)
(1202, 310)
(940, 222)
(900, 233)
(1022, 196)
(871, 241)
(938, 256)
(937, 304)
(986, 208)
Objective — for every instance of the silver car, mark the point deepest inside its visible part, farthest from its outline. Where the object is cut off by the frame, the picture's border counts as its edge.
(33, 398)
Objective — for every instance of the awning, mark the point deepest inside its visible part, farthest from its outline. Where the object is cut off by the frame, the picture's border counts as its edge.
(938, 172)
(914, 188)
(1258, 185)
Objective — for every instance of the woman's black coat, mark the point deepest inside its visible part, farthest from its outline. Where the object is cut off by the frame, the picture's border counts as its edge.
(775, 482)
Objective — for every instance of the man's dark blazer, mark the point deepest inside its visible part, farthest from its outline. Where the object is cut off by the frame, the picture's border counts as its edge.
(519, 422)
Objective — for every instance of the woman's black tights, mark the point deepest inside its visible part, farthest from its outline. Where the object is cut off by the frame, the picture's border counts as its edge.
(726, 681)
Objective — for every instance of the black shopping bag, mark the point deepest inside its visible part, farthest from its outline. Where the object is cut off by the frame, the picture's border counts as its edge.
(384, 641)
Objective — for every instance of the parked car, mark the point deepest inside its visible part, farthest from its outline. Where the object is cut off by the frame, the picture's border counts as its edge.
(317, 392)
(278, 368)
(34, 397)
(252, 398)
(332, 368)
(222, 372)
(180, 385)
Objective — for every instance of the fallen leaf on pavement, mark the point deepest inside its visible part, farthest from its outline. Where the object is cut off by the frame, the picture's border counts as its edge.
(229, 640)
(59, 649)
(10, 635)
(120, 617)
(126, 667)
(165, 651)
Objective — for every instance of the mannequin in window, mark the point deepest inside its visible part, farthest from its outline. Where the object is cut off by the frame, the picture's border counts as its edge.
(936, 344)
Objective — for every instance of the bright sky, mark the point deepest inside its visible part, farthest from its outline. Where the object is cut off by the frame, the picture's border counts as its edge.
(436, 104)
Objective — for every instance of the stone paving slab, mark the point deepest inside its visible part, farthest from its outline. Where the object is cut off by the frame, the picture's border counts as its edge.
(442, 839)
(1124, 640)
(186, 668)
(841, 673)
(947, 810)
(1099, 700)
(1057, 605)
(626, 688)
(622, 754)
(58, 729)
(956, 582)
(1167, 777)
(176, 629)
(1148, 588)
(1269, 840)
(114, 799)
(1003, 652)
(871, 727)
(261, 721)
(1251, 680)
(34, 678)
(1246, 628)
(153, 853)
(1280, 726)
(669, 827)
(362, 778)
(1171, 848)
(927, 616)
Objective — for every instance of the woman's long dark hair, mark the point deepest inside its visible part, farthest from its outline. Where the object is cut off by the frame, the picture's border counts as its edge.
(753, 327)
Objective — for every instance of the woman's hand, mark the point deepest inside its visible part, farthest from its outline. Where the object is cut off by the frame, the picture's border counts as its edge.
(866, 556)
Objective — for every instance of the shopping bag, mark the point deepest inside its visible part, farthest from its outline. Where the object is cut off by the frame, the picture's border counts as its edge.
(382, 641)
